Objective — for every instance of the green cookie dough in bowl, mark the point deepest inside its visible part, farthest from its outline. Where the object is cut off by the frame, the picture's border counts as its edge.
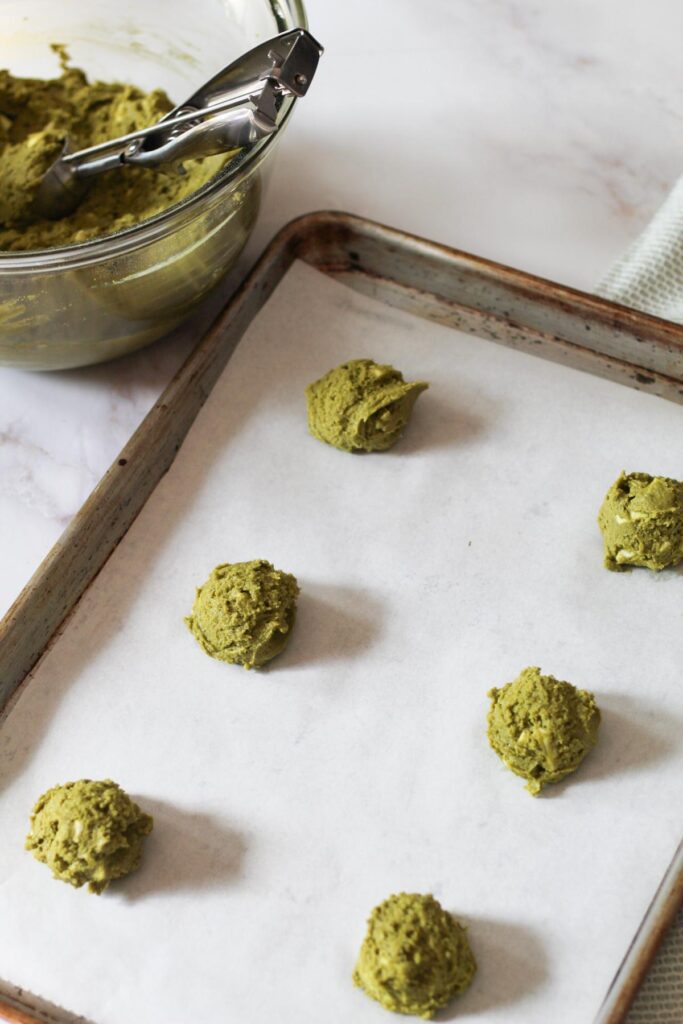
(88, 833)
(36, 115)
(641, 520)
(244, 613)
(142, 248)
(415, 957)
(361, 406)
(146, 245)
(542, 727)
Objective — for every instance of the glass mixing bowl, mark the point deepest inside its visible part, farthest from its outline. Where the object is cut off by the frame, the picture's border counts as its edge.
(80, 304)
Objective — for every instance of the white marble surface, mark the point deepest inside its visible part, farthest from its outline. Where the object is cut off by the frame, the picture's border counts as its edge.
(540, 134)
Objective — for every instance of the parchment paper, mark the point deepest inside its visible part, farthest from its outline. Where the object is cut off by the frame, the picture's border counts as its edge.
(288, 802)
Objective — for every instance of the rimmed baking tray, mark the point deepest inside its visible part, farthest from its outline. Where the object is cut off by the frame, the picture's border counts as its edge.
(433, 282)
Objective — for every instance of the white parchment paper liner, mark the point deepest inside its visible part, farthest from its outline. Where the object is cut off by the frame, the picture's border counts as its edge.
(288, 802)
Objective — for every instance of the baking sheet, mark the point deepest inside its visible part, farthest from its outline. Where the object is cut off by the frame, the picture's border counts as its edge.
(288, 802)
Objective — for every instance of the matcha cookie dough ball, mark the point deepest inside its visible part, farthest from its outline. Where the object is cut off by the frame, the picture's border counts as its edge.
(244, 613)
(541, 727)
(415, 957)
(641, 520)
(88, 833)
(361, 406)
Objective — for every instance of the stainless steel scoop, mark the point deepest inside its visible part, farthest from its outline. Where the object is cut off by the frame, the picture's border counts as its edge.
(243, 103)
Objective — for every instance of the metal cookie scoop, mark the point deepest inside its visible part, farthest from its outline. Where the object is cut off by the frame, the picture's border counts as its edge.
(236, 108)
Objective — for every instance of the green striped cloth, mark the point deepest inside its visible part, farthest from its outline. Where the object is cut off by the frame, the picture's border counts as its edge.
(660, 1000)
(649, 276)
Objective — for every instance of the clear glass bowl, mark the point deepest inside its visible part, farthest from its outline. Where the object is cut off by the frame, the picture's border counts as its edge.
(80, 304)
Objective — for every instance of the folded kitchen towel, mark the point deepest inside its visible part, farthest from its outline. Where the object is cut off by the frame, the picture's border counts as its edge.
(660, 1000)
(649, 276)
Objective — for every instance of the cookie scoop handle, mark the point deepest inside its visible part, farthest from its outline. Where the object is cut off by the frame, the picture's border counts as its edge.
(242, 104)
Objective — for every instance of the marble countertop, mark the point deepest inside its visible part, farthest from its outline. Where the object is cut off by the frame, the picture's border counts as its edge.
(543, 135)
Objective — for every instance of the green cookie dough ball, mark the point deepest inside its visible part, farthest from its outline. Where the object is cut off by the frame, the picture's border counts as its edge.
(361, 406)
(244, 613)
(88, 833)
(415, 957)
(541, 727)
(641, 520)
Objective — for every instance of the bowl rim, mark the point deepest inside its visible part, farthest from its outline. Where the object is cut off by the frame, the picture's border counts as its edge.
(137, 235)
